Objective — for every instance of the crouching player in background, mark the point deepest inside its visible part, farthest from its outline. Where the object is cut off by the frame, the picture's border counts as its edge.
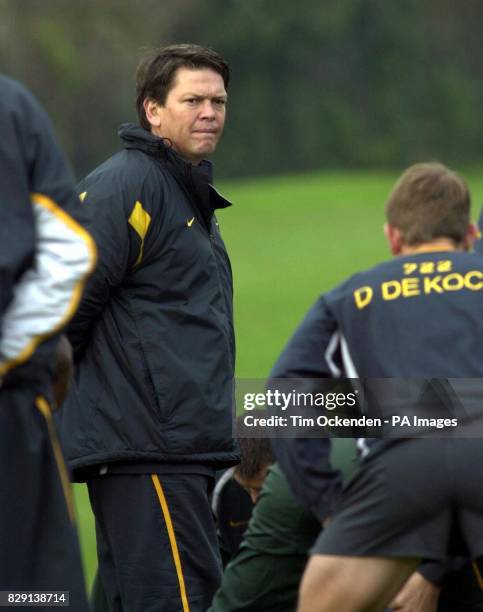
(417, 316)
(265, 573)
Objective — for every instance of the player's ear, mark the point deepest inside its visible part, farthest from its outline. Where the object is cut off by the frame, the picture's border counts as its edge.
(151, 109)
(394, 238)
(472, 234)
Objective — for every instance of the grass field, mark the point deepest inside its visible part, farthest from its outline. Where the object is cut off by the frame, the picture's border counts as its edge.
(290, 239)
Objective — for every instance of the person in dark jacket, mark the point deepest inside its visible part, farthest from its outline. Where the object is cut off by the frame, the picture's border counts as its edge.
(149, 419)
(410, 330)
(45, 257)
(266, 571)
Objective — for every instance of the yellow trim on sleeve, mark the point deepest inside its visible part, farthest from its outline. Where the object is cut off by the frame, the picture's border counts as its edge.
(55, 209)
(139, 221)
(478, 576)
(42, 404)
(172, 540)
(82, 196)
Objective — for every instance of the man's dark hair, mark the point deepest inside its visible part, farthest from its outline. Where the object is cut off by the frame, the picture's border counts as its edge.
(256, 453)
(429, 201)
(156, 73)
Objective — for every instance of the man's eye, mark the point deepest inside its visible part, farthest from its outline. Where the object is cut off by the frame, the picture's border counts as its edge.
(191, 100)
(219, 102)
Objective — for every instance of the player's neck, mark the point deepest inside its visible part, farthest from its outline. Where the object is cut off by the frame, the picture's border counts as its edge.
(441, 244)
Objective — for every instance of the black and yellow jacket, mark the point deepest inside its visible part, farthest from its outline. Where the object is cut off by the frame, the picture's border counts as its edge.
(45, 255)
(408, 333)
(153, 338)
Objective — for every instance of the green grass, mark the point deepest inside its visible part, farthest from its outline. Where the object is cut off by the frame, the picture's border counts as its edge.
(290, 239)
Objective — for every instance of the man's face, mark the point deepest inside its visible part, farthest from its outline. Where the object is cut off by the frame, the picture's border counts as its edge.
(254, 485)
(193, 115)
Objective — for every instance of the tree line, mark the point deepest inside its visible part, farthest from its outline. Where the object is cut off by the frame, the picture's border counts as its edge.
(315, 83)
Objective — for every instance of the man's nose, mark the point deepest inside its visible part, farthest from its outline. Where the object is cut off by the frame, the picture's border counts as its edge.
(207, 110)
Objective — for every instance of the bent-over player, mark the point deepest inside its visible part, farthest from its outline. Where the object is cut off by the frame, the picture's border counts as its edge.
(417, 316)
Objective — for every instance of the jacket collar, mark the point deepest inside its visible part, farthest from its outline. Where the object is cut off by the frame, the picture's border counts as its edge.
(136, 137)
(197, 179)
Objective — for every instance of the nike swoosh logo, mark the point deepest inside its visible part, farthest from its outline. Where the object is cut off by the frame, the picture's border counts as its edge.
(238, 523)
(190, 222)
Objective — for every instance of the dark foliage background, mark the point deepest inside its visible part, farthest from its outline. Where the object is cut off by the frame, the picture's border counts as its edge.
(316, 83)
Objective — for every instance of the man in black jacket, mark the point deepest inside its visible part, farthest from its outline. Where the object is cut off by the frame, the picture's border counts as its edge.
(150, 416)
(45, 256)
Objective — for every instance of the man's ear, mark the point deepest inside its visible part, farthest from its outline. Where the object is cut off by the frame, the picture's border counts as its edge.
(394, 238)
(472, 234)
(151, 109)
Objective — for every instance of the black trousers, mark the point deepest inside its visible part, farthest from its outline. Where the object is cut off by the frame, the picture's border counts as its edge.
(38, 540)
(156, 541)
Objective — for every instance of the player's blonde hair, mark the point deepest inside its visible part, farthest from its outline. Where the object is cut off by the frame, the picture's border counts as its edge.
(429, 201)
